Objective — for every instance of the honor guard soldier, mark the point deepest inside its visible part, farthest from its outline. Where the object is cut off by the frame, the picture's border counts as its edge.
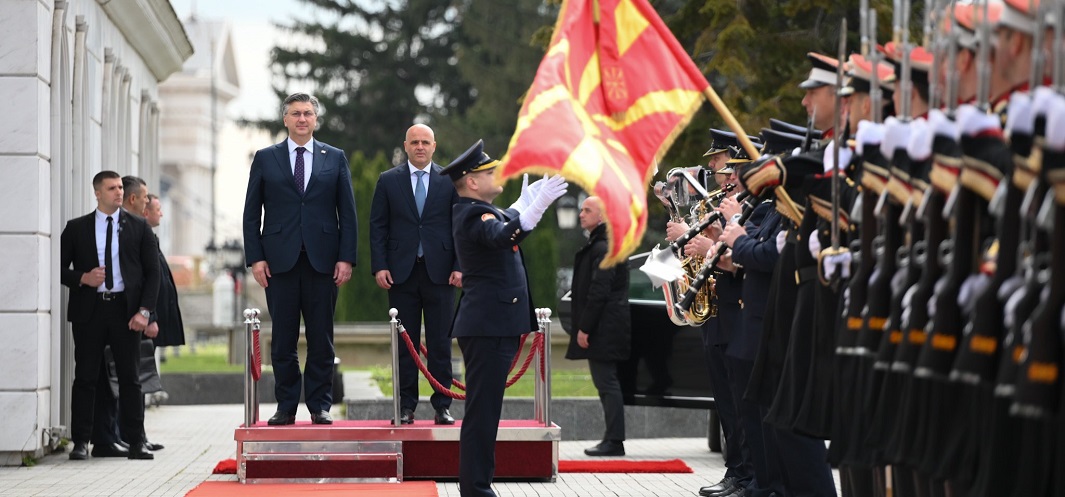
(495, 308)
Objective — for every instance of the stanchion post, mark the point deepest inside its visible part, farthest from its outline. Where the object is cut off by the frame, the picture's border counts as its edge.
(546, 330)
(394, 328)
(251, 387)
(538, 390)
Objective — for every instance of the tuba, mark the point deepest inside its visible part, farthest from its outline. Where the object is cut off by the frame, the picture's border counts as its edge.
(684, 190)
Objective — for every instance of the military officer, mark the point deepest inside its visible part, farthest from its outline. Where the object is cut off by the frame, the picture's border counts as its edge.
(495, 308)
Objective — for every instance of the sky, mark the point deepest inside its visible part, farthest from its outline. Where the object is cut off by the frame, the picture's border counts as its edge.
(253, 35)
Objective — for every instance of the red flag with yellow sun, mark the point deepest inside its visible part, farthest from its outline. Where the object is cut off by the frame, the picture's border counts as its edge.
(611, 94)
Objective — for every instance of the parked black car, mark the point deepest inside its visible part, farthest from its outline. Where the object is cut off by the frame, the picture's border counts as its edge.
(667, 367)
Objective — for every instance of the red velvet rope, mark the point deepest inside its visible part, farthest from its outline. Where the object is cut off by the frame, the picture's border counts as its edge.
(536, 345)
(257, 362)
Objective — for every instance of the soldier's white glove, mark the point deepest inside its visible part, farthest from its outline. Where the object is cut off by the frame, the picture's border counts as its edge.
(896, 135)
(974, 121)
(942, 125)
(782, 238)
(814, 244)
(552, 188)
(1055, 131)
(869, 134)
(920, 146)
(528, 193)
(1041, 99)
(829, 161)
(1020, 118)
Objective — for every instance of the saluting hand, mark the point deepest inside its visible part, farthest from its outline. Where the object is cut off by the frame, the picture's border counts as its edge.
(94, 277)
(342, 272)
(261, 272)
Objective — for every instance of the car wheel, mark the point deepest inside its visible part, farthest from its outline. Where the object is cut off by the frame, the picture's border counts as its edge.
(715, 438)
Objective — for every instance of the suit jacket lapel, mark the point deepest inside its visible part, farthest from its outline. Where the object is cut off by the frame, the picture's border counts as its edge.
(281, 154)
(318, 153)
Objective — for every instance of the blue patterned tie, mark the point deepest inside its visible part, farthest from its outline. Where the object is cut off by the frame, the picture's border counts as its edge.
(419, 200)
(298, 173)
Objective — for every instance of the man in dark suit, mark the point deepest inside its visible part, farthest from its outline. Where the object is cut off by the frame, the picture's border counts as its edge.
(601, 317)
(412, 255)
(300, 242)
(107, 437)
(109, 305)
(168, 312)
(495, 308)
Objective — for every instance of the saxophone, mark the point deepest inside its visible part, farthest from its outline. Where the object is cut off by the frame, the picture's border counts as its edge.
(701, 215)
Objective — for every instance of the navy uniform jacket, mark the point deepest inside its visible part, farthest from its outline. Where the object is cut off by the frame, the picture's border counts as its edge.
(396, 228)
(495, 297)
(757, 253)
(322, 221)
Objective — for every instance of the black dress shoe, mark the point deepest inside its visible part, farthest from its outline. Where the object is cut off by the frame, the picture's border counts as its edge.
(109, 450)
(139, 451)
(726, 486)
(80, 452)
(153, 446)
(443, 417)
(281, 418)
(406, 416)
(606, 448)
(321, 418)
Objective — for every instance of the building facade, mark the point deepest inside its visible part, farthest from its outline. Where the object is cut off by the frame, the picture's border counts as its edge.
(82, 77)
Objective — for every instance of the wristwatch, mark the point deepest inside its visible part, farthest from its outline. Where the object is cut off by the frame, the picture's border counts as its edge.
(146, 313)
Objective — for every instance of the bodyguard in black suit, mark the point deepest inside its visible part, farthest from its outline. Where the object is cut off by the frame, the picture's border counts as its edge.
(412, 255)
(300, 240)
(495, 308)
(110, 303)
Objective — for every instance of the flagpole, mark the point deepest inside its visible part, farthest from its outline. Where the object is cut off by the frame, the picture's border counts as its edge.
(731, 121)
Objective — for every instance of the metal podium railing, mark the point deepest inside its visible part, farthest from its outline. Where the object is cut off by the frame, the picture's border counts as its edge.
(251, 384)
(541, 371)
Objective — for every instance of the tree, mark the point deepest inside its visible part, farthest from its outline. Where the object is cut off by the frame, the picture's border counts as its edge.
(376, 70)
(361, 299)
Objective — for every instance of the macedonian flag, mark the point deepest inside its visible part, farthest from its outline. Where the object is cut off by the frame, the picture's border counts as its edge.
(610, 96)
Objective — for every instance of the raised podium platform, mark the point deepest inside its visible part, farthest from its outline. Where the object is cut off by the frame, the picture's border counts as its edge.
(350, 451)
(366, 451)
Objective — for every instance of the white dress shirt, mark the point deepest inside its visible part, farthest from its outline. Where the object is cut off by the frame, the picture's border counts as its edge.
(101, 243)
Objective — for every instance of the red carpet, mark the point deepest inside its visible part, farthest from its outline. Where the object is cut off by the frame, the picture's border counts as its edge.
(623, 466)
(236, 489)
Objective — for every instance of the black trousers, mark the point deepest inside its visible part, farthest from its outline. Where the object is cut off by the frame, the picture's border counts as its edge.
(487, 362)
(737, 458)
(109, 325)
(605, 379)
(768, 474)
(302, 291)
(416, 297)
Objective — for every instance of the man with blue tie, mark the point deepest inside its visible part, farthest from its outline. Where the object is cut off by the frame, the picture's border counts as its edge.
(412, 255)
(300, 236)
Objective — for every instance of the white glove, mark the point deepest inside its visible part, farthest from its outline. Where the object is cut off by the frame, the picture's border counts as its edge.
(814, 244)
(782, 238)
(553, 188)
(525, 198)
(1019, 118)
(942, 125)
(869, 133)
(1041, 98)
(1055, 130)
(528, 192)
(974, 121)
(896, 135)
(837, 262)
(828, 159)
(920, 146)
